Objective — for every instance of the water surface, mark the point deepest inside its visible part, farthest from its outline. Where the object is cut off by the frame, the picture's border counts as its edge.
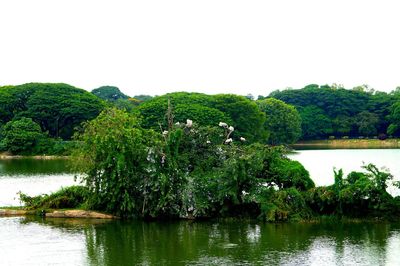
(80, 242)
(320, 163)
(27, 241)
(32, 177)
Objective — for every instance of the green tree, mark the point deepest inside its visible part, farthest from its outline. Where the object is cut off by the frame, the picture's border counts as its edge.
(116, 155)
(143, 98)
(246, 117)
(394, 118)
(342, 125)
(315, 124)
(203, 115)
(21, 135)
(243, 113)
(283, 122)
(109, 93)
(153, 111)
(57, 108)
(339, 106)
(367, 123)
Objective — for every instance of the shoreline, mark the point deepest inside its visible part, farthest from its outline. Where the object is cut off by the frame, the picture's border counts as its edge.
(15, 212)
(349, 144)
(76, 214)
(37, 157)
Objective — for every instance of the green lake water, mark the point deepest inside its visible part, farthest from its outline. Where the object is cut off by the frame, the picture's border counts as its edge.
(80, 242)
(26, 241)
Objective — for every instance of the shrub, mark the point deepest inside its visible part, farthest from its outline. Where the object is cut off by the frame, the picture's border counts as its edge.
(69, 197)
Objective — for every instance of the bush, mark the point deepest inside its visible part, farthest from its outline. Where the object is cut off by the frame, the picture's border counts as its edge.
(22, 136)
(69, 197)
(290, 173)
(283, 205)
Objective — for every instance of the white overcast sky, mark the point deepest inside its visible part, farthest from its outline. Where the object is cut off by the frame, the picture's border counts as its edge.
(210, 46)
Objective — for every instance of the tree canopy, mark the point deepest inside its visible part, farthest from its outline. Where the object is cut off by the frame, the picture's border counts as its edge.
(335, 111)
(109, 93)
(58, 108)
(283, 121)
(21, 135)
(242, 113)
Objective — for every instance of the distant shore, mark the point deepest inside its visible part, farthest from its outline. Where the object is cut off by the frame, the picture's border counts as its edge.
(16, 211)
(5, 156)
(348, 144)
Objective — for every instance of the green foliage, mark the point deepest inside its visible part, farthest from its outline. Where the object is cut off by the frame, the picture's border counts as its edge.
(322, 200)
(238, 111)
(292, 174)
(142, 97)
(116, 154)
(394, 118)
(283, 205)
(333, 110)
(126, 104)
(154, 110)
(247, 118)
(360, 194)
(367, 123)
(69, 197)
(57, 108)
(22, 136)
(203, 115)
(109, 93)
(315, 124)
(283, 122)
(342, 125)
(187, 171)
(192, 171)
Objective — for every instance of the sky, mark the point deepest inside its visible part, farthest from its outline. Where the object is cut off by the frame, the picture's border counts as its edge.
(210, 46)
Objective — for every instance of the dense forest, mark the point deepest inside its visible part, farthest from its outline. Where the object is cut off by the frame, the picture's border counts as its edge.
(42, 118)
(39, 118)
(337, 112)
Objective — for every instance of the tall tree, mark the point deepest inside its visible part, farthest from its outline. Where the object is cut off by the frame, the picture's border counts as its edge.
(394, 118)
(21, 135)
(367, 123)
(240, 112)
(57, 108)
(283, 121)
(109, 93)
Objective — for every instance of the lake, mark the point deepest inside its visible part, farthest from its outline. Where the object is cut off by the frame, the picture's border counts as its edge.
(32, 177)
(35, 241)
(320, 163)
(80, 242)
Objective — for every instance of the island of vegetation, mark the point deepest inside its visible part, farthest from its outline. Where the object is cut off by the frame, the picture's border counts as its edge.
(192, 155)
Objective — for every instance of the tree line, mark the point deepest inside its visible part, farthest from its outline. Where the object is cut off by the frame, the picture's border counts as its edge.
(334, 111)
(37, 118)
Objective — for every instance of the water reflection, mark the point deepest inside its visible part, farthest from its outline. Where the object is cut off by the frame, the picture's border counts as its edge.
(227, 243)
(31, 166)
(103, 242)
